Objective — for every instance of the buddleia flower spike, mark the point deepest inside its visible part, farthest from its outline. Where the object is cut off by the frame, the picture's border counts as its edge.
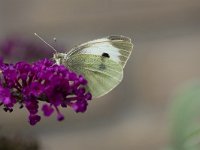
(43, 81)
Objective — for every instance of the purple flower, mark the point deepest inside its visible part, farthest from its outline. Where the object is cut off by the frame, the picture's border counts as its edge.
(47, 109)
(42, 81)
(33, 119)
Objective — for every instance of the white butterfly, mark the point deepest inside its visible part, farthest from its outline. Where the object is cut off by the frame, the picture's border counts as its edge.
(100, 61)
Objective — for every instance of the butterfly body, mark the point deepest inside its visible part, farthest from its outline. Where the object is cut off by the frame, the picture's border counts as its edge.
(100, 61)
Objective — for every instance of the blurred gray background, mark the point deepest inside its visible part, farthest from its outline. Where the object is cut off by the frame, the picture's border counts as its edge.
(135, 115)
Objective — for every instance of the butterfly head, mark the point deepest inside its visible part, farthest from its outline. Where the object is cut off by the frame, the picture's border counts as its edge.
(58, 57)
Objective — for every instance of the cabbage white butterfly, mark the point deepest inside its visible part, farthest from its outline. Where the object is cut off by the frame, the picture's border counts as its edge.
(100, 61)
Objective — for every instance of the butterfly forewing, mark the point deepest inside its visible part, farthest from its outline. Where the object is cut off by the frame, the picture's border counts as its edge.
(119, 48)
(124, 45)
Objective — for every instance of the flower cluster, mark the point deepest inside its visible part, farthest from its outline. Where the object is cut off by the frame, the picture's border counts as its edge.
(55, 85)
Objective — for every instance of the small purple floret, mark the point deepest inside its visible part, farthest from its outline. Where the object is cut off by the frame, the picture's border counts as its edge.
(33, 119)
(42, 81)
(47, 109)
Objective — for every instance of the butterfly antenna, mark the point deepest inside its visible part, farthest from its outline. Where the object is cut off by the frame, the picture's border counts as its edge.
(45, 42)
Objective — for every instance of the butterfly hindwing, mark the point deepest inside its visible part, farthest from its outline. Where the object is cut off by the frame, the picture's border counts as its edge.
(102, 75)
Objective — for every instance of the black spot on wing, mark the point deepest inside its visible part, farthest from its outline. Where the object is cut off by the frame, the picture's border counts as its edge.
(102, 66)
(106, 55)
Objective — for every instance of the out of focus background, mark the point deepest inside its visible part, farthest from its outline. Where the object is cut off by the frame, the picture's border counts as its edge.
(135, 115)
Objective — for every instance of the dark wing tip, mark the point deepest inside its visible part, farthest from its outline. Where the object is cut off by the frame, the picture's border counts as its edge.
(119, 37)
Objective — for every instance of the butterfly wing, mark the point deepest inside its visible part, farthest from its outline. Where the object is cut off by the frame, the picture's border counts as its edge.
(101, 62)
(118, 47)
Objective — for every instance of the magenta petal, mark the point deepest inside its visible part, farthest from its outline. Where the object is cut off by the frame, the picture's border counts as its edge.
(7, 101)
(60, 117)
(79, 106)
(33, 119)
(47, 110)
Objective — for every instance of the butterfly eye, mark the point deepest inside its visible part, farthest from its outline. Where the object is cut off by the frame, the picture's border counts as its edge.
(106, 55)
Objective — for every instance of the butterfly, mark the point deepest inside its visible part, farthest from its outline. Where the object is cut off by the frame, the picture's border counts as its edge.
(100, 61)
